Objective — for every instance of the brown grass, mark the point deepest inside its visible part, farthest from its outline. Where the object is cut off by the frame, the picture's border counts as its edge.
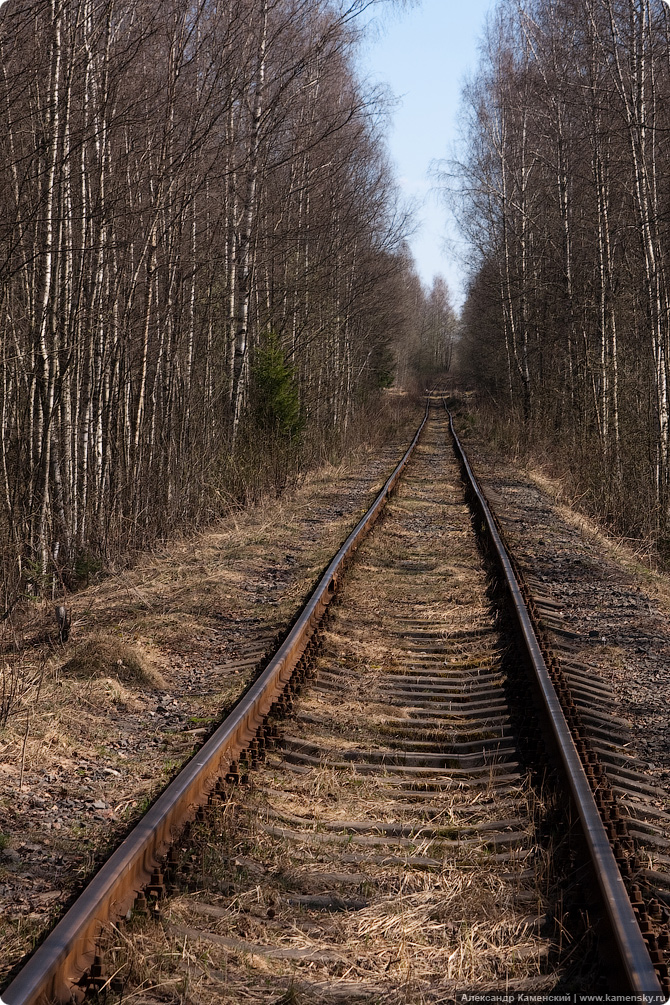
(175, 622)
(424, 933)
(636, 559)
(102, 657)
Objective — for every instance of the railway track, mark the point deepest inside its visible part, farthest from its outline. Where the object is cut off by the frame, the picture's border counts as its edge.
(413, 802)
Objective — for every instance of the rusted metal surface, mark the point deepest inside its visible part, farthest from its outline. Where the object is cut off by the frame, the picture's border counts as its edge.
(53, 972)
(630, 945)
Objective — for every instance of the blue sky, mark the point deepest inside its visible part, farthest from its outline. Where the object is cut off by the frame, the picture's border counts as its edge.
(424, 54)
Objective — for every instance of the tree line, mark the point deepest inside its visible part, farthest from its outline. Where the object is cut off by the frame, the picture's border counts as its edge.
(202, 261)
(563, 191)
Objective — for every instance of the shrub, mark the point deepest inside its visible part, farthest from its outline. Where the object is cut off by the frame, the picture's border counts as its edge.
(274, 392)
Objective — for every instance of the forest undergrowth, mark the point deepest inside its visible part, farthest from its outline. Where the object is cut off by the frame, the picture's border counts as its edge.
(205, 285)
(572, 475)
(265, 466)
(561, 188)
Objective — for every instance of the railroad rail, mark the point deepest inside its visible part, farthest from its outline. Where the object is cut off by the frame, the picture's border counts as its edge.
(554, 693)
(411, 765)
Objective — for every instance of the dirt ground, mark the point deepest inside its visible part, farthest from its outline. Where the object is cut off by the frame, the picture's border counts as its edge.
(95, 728)
(614, 607)
(380, 854)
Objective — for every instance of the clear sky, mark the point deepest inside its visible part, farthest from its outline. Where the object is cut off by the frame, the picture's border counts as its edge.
(424, 54)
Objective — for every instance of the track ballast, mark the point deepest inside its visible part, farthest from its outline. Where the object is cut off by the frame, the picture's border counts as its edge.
(397, 830)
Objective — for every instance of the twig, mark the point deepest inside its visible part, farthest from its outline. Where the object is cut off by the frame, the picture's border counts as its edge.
(10, 608)
(41, 680)
(23, 751)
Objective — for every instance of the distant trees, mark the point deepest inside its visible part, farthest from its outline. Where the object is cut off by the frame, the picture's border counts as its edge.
(439, 329)
(431, 329)
(185, 187)
(564, 193)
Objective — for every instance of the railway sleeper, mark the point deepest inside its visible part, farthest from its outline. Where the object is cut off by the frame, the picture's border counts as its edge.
(428, 863)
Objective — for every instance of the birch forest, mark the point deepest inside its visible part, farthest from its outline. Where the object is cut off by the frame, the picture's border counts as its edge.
(564, 193)
(202, 264)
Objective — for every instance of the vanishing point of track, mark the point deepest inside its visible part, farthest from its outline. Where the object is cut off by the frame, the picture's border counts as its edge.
(433, 813)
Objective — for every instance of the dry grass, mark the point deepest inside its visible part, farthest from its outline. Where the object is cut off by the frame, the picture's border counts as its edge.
(182, 630)
(419, 933)
(424, 935)
(101, 657)
(636, 559)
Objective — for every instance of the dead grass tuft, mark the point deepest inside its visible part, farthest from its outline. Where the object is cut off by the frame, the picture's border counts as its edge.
(103, 657)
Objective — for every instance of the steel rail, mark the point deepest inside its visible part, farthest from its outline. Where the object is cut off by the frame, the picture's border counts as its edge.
(53, 971)
(632, 949)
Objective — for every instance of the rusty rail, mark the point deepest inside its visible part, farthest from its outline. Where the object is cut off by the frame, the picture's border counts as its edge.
(53, 972)
(630, 945)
